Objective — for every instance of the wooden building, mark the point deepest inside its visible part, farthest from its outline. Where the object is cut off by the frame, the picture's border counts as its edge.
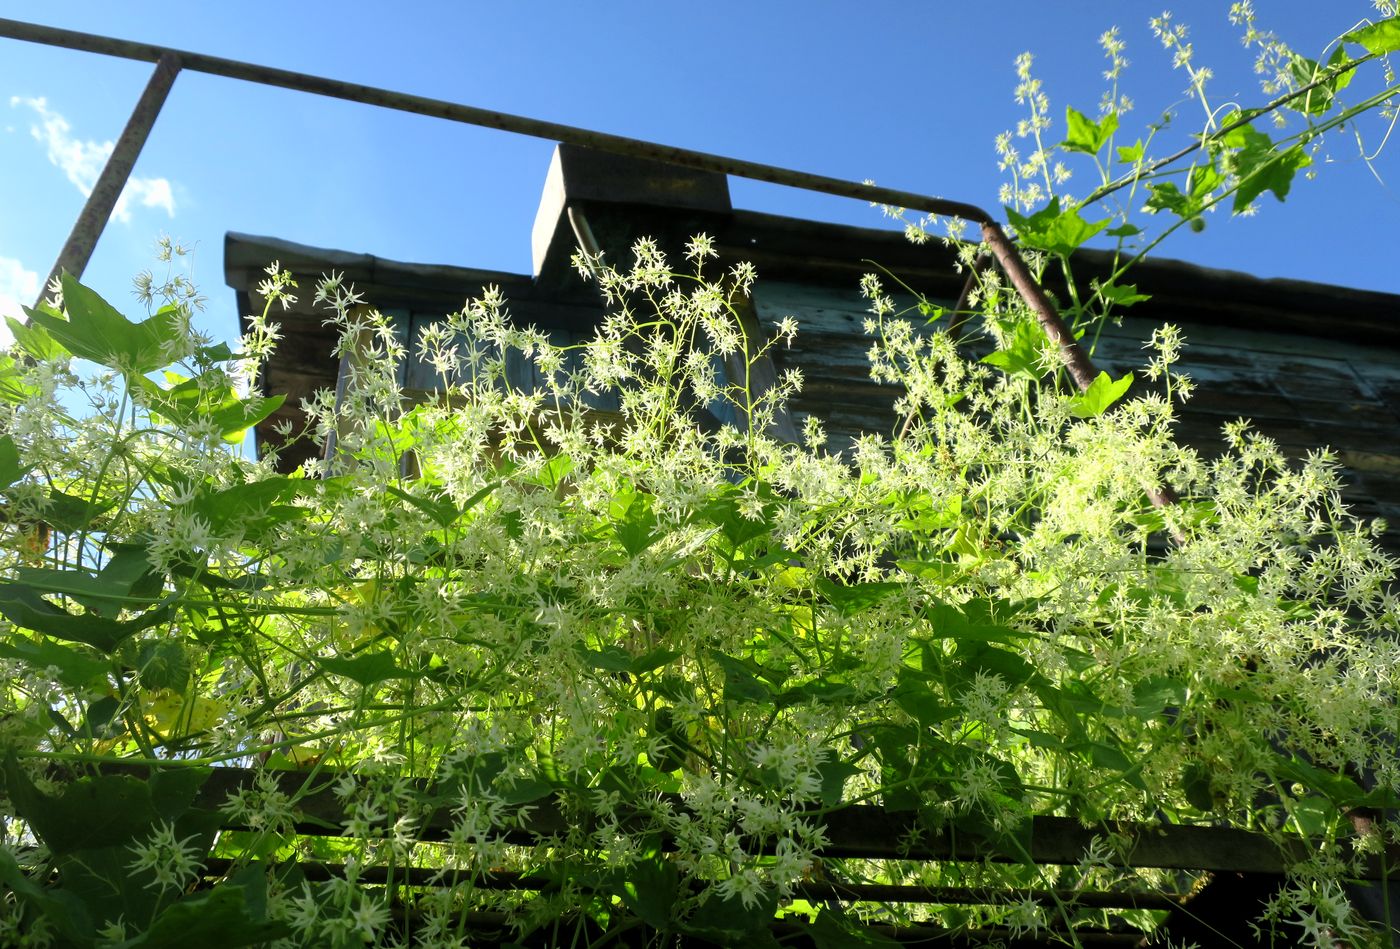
(1311, 365)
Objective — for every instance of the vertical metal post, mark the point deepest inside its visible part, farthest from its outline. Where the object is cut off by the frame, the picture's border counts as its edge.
(77, 251)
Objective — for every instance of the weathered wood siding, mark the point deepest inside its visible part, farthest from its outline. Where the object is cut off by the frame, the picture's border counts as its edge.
(1303, 391)
(832, 352)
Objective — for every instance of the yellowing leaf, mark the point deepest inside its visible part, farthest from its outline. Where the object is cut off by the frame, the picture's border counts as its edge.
(174, 715)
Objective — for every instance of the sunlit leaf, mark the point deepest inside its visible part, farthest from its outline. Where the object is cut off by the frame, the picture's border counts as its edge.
(94, 330)
(1381, 37)
(367, 668)
(1085, 134)
(1124, 294)
(1101, 394)
(1053, 230)
(1251, 157)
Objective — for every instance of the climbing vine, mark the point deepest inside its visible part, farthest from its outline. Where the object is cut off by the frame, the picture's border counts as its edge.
(645, 664)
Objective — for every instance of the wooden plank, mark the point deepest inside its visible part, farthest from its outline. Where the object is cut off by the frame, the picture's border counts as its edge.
(860, 831)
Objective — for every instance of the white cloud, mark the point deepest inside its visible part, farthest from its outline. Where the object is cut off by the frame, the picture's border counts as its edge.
(81, 161)
(18, 286)
(152, 193)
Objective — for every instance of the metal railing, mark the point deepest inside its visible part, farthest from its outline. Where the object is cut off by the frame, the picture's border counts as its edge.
(169, 62)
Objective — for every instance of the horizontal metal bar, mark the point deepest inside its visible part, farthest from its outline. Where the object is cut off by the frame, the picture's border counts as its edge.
(487, 118)
(102, 200)
(1072, 353)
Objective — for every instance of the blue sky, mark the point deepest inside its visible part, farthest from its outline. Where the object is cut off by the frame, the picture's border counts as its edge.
(910, 94)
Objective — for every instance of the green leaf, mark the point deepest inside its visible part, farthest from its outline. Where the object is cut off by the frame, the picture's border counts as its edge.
(103, 592)
(609, 658)
(1053, 230)
(367, 668)
(1166, 196)
(914, 695)
(937, 571)
(219, 352)
(26, 608)
(70, 514)
(263, 502)
(834, 773)
(1381, 37)
(1086, 135)
(14, 387)
(817, 690)
(1314, 816)
(65, 910)
(1152, 696)
(856, 597)
(933, 311)
(1106, 756)
(1338, 788)
(91, 812)
(527, 791)
(220, 918)
(1040, 739)
(741, 679)
(1250, 156)
(1319, 99)
(1102, 393)
(1122, 294)
(650, 888)
(973, 621)
(102, 719)
(554, 471)
(74, 667)
(1020, 354)
(832, 929)
(95, 330)
(192, 401)
(441, 510)
(729, 922)
(1124, 230)
(987, 659)
(1204, 179)
(1274, 175)
(724, 513)
(1201, 181)
(653, 660)
(33, 339)
(1130, 154)
(10, 468)
(1195, 783)
(634, 523)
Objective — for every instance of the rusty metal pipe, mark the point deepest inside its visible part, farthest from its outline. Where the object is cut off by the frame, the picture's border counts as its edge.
(487, 118)
(170, 60)
(102, 200)
(1074, 356)
(1076, 360)
(1081, 367)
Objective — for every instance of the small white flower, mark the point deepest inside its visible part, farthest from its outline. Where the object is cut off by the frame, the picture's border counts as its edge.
(174, 864)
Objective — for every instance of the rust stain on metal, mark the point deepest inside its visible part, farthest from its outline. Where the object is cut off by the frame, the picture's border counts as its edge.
(82, 240)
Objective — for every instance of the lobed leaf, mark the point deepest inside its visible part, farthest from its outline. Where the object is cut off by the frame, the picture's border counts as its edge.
(1378, 38)
(1101, 394)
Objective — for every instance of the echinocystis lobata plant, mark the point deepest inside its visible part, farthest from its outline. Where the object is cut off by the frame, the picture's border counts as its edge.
(567, 675)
